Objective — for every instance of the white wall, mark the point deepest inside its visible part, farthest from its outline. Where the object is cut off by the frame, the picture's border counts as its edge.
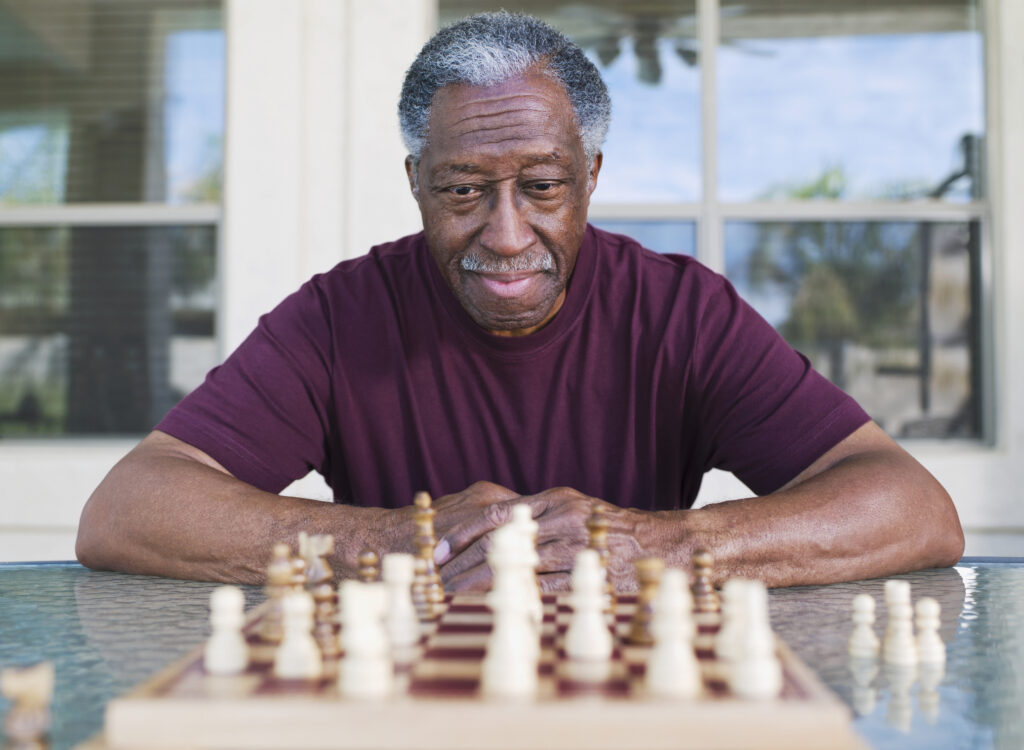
(314, 174)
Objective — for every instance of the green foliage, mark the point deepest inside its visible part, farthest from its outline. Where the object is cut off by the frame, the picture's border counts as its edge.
(847, 280)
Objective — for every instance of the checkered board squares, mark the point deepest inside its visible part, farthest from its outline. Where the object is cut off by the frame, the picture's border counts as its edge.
(438, 704)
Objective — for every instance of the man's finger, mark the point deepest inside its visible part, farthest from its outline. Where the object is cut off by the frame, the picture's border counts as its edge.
(477, 578)
(473, 556)
(462, 517)
(554, 582)
(478, 524)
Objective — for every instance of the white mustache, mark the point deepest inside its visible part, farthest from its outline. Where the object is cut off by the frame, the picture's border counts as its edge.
(516, 264)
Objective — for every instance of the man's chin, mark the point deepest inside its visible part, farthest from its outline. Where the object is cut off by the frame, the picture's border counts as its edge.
(510, 322)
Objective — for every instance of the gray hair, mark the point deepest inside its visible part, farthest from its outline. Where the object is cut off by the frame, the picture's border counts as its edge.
(490, 48)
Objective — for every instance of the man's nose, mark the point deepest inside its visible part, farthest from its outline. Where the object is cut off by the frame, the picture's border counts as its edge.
(507, 231)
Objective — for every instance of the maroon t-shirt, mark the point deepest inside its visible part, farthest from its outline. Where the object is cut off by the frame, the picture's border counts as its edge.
(653, 372)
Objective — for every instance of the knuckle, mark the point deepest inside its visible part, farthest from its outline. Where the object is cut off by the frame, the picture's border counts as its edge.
(497, 514)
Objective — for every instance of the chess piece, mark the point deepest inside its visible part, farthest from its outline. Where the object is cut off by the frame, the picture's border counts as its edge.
(705, 598)
(366, 671)
(597, 539)
(418, 590)
(318, 570)
(901, 679)
(648, 573)
(325, 630)
(930, 648)
(755, 671)
(226, 651)
(734, 619)
(522, 520)
(30, 691)
(509, 668)
(400, 620)
(588, 636)
(931, 656)
(298, 657)
(369, 563)
(930, 676)
(864, 670)
(672, 668)
(426, 541)
(899, 646)
(298, 574)
(279, 583)
(863, 641)
(511, 590)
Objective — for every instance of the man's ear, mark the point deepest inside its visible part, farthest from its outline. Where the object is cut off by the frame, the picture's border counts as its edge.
(411, 170)
(595, 167)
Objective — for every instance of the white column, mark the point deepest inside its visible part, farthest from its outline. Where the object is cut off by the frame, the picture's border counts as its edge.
(313, 160)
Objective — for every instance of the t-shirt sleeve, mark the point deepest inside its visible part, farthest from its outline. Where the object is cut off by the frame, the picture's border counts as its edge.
(766, 412)
(263, 413)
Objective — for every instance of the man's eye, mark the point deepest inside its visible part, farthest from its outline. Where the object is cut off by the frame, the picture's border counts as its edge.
(462, 190)
(543, 187)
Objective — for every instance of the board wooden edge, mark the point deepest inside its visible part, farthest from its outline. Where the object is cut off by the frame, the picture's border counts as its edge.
(143, 719)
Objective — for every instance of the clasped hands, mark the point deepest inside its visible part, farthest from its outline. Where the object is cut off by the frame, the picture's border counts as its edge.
(465, 521)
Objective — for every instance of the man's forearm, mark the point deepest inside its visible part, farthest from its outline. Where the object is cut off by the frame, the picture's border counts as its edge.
(162, 512)
(871, 514)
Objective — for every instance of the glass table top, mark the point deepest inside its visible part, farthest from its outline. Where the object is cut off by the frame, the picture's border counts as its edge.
(106, 632)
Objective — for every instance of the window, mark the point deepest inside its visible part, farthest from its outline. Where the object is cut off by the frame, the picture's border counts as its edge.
(111, 130)
(827, 156)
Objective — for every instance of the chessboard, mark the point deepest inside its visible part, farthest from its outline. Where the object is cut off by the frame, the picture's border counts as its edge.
(438, 702)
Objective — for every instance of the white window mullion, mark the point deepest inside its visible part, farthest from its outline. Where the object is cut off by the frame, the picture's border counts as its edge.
(109, 214)
(710, 248)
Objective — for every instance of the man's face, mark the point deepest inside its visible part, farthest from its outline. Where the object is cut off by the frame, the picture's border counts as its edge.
(503, 188)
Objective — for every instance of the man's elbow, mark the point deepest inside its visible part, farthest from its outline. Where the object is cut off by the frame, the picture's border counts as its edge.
(92, 545)
(945, 540)
(86, 551)
(951, 546)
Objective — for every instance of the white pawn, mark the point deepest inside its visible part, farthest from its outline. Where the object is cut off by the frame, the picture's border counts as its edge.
(928, 699)
(226, 652)
(901, 679)
(755, 671)
(734, 619)
(401, 620)
(899, 647)
(298, 656)
(865, 695)
(930, 648)
(588, 636)
(672, 668)
(366, 671)
(863, 641)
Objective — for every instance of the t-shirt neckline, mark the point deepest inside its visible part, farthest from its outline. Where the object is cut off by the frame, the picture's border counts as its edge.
(577, 292)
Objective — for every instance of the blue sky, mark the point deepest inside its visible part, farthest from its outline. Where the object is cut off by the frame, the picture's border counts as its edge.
(888, 109)
(194, 84)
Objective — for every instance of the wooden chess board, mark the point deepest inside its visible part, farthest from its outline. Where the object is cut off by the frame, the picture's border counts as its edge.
(438, 704)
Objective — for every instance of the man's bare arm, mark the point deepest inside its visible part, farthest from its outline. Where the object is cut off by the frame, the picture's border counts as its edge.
(866, 508)
(169, 509)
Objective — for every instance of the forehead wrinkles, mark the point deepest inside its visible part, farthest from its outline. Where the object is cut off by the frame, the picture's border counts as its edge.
(463, 110)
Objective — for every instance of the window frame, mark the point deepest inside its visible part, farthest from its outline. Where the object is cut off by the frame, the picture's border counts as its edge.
(711, 213)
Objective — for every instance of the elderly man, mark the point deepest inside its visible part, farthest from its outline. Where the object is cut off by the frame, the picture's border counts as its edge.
(510, 353)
